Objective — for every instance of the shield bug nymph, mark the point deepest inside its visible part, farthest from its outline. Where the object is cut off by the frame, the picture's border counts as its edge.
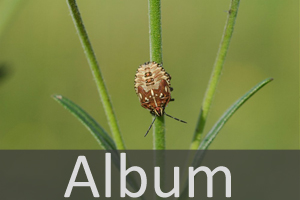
(153, 87)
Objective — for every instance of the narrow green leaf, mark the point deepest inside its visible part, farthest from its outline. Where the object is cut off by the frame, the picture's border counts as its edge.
(217, 127)
(226, 116)
(97, 131)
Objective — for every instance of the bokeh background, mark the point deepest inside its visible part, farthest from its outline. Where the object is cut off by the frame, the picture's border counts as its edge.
(41, 55)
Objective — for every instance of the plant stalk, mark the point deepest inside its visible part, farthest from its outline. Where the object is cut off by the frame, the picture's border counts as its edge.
(154, 11)
(7, 10)
(90, 55)
(216, 73)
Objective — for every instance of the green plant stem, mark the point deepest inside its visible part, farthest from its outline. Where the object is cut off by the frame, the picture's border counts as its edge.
(219, 62)
(154, 12)
(90, 55)
(7, 10)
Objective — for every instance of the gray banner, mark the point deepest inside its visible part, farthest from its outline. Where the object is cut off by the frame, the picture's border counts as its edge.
(259, 175)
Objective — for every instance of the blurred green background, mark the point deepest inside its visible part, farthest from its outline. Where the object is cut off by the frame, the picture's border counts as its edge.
(43, 56)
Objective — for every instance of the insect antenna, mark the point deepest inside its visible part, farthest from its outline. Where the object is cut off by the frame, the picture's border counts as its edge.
(175, 118)
(150, 126)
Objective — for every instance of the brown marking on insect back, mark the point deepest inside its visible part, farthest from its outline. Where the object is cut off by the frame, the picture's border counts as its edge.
(149, 80)
(147, 74)
(157, 98)
(152, 85)
(149, 84)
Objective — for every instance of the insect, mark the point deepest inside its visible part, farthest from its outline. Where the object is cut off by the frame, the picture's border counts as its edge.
(152, 85)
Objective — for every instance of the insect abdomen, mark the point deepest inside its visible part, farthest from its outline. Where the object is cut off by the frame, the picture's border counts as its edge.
(152, 85)
(149, 76)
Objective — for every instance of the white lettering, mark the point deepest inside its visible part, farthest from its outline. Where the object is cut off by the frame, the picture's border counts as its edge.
(90, 183)
(209, 175)
(123, 175)
(157, 188)
(107, 175)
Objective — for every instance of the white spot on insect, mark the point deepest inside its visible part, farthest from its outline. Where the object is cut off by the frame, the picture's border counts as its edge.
(155, 101)
(156, 94)
(152, 92)
(140, 95)
(150, 96)
(166, 88)
(146, 99)
(161, 95)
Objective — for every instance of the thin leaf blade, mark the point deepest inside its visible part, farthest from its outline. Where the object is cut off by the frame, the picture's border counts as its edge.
(217, 127)
(97, 131)
(226, 116)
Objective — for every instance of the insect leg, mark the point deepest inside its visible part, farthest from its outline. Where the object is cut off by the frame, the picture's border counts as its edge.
(175, 118)
(150, 126)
